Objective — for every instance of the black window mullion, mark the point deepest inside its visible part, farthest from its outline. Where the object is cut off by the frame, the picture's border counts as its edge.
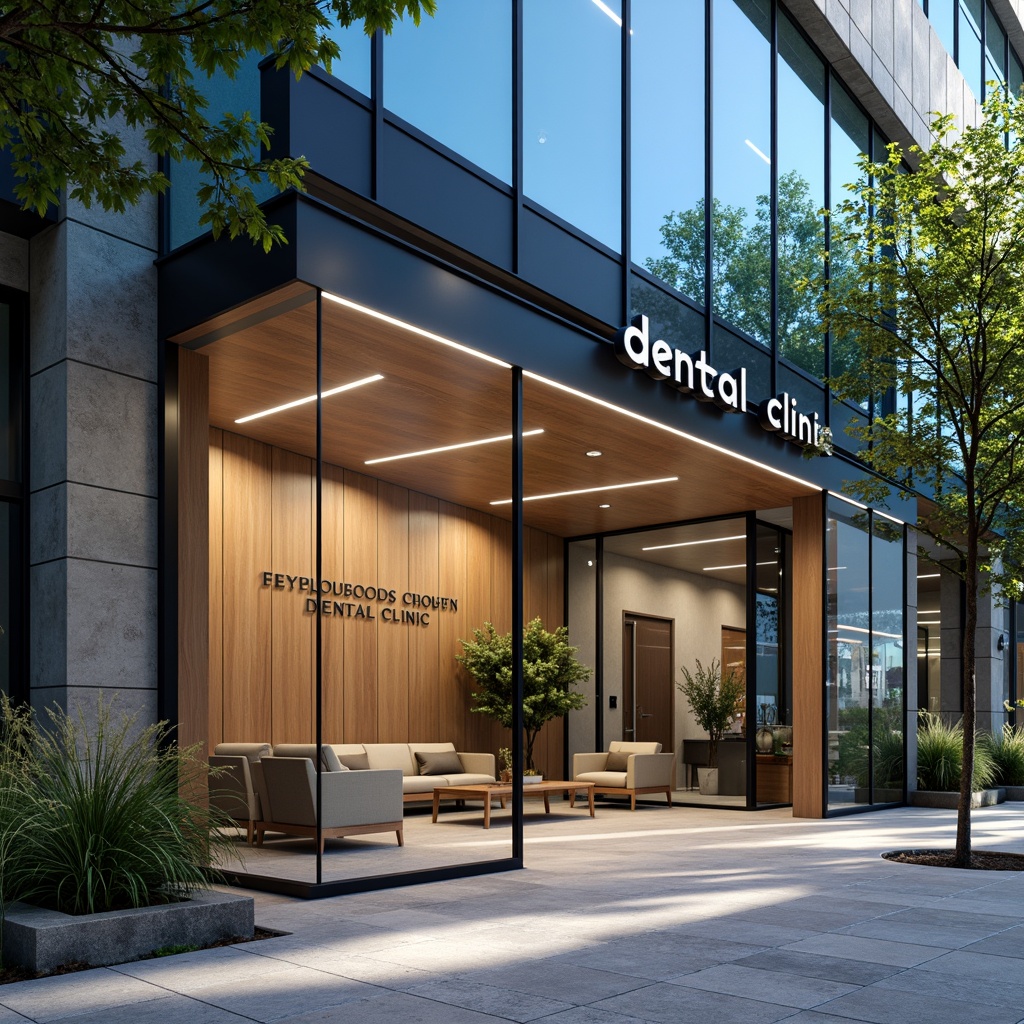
(627, 162)
(774, 198)
(709, 177)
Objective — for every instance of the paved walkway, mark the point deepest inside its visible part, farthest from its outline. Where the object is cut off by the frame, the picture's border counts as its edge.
(669, 916)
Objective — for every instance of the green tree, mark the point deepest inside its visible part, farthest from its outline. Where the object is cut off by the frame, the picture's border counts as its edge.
(741, 266)
(935, 298)
(76, 75)
(550, 671)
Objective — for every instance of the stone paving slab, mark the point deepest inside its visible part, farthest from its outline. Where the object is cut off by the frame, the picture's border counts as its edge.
(678, 915)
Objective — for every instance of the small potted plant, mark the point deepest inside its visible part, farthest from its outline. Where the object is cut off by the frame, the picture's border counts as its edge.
(713, 698)
(505, 758)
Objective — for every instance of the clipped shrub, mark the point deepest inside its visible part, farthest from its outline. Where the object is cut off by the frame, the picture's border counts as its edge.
(940, 756)
(95, 818)
(1007, 753)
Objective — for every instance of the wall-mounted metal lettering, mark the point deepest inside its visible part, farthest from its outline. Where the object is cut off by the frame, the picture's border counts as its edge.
(385, 603)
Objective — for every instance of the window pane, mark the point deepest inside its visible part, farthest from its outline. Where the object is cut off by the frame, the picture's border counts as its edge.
(7, 578)
(572, 127)
(801, 192)
(941, 13)
(451, 76)
(353, 66)
(667, 236)
(850, 138)
(969, 51)
(1016, 79)
(848, 697)
(741, 212)
(9, 439)
(995, 47)
(887, 664)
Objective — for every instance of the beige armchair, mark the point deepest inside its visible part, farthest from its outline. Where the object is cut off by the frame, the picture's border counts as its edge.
(231, 787)
(626, 769)
(352, 802)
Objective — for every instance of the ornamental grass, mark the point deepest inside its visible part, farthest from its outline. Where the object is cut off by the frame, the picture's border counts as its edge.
(1006, 750)
(99, 818)
(940, 756)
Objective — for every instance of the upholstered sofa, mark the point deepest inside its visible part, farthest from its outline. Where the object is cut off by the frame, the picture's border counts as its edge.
(626, 769)
(231, 787)
(352, 802)
(424, 766)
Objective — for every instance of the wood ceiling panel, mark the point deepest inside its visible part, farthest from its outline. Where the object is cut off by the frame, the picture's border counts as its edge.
(434, 395)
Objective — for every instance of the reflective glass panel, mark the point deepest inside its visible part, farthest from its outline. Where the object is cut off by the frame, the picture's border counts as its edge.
(887, 660)
(741, 211)
(667, 204)
(581, 586)
(995, 47)
(801, 195)
(572, 133)
(942, 15)
(8, 547)
(353, 66)
(850, 137)
(848, 683)
(451, 77)
(969, 52)
(929, 625)
(10, 439)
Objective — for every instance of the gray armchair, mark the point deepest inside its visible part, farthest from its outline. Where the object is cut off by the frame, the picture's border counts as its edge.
(352, 802)
(626, 769)
(231, 787)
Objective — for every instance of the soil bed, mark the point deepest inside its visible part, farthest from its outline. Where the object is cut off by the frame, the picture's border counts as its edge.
(8, 975)
(981, 860)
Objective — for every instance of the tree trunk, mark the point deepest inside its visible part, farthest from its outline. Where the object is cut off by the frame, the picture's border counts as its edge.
(962, 856)
(531, 735)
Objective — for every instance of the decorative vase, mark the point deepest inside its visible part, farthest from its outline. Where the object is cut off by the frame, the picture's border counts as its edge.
(707, 781)
(506, 776)
(530, 779)
(764, 740)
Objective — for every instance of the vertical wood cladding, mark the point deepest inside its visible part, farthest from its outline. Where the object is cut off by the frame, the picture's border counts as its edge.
(383, 681)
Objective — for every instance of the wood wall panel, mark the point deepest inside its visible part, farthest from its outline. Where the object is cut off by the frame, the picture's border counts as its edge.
(424, 661)
(360, 679)
(332, 640)
(382, 682)
(215, 678)
(246, 553)
(808, 666)
(291, 628)
(392, 637)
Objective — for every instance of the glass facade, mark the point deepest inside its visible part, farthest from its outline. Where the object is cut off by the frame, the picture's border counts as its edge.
(972, 34)
(865, 694)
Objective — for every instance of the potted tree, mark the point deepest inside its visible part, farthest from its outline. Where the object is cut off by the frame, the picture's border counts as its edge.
(713, 700)
(550, 671)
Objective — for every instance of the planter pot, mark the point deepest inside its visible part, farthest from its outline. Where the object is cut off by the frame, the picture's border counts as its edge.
(41, 940)
(707, 781)
(529, 780)
(934, 798)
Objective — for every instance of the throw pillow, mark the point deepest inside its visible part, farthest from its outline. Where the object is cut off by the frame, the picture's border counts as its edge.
(357, 762)
(443, 762)
(616, 761)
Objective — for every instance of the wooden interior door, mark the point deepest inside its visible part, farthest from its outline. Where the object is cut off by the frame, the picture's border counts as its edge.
(648, 679)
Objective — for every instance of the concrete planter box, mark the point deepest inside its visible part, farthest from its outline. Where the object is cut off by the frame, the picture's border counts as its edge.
(41, 940)
(1015, 792)
(933, 798)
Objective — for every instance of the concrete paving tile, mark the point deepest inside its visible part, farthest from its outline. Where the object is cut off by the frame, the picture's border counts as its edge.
(889, 1006)
(448, 957)
(985, 967)
(965, 988)
(672, 1003)
(769, 986)
(499, 1002)
(590, 1015)
(49, 999)
(812, 965)
(187, 971)
(10, 1017)
(738, 930)
(1007, 943)
(396, 1006)
(171, 1009)
(953, 936)
(580, 985)
(278, 995)
(856, 947)
(359, 968)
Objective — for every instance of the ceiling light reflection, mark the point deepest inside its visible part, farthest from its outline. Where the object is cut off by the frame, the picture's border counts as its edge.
(311, 398)
(451, 447)
(590, 490)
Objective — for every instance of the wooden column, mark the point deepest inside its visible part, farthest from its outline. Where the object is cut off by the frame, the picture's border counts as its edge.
(808, 657)
(193, 500)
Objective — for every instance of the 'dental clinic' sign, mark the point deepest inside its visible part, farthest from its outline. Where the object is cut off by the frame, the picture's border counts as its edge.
(692, 374)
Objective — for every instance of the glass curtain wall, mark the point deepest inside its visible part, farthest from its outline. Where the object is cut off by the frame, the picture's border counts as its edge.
(354, 543)
(865, 695)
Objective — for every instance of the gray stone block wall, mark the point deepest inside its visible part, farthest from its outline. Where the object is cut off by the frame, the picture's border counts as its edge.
(93, 473)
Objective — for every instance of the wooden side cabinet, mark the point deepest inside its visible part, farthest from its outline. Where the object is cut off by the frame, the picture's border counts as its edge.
(774, 778)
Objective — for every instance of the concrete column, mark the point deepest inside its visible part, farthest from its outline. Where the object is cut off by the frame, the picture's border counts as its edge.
(93, 470)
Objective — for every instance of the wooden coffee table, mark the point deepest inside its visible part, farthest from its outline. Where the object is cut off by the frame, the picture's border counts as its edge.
(488, 790)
